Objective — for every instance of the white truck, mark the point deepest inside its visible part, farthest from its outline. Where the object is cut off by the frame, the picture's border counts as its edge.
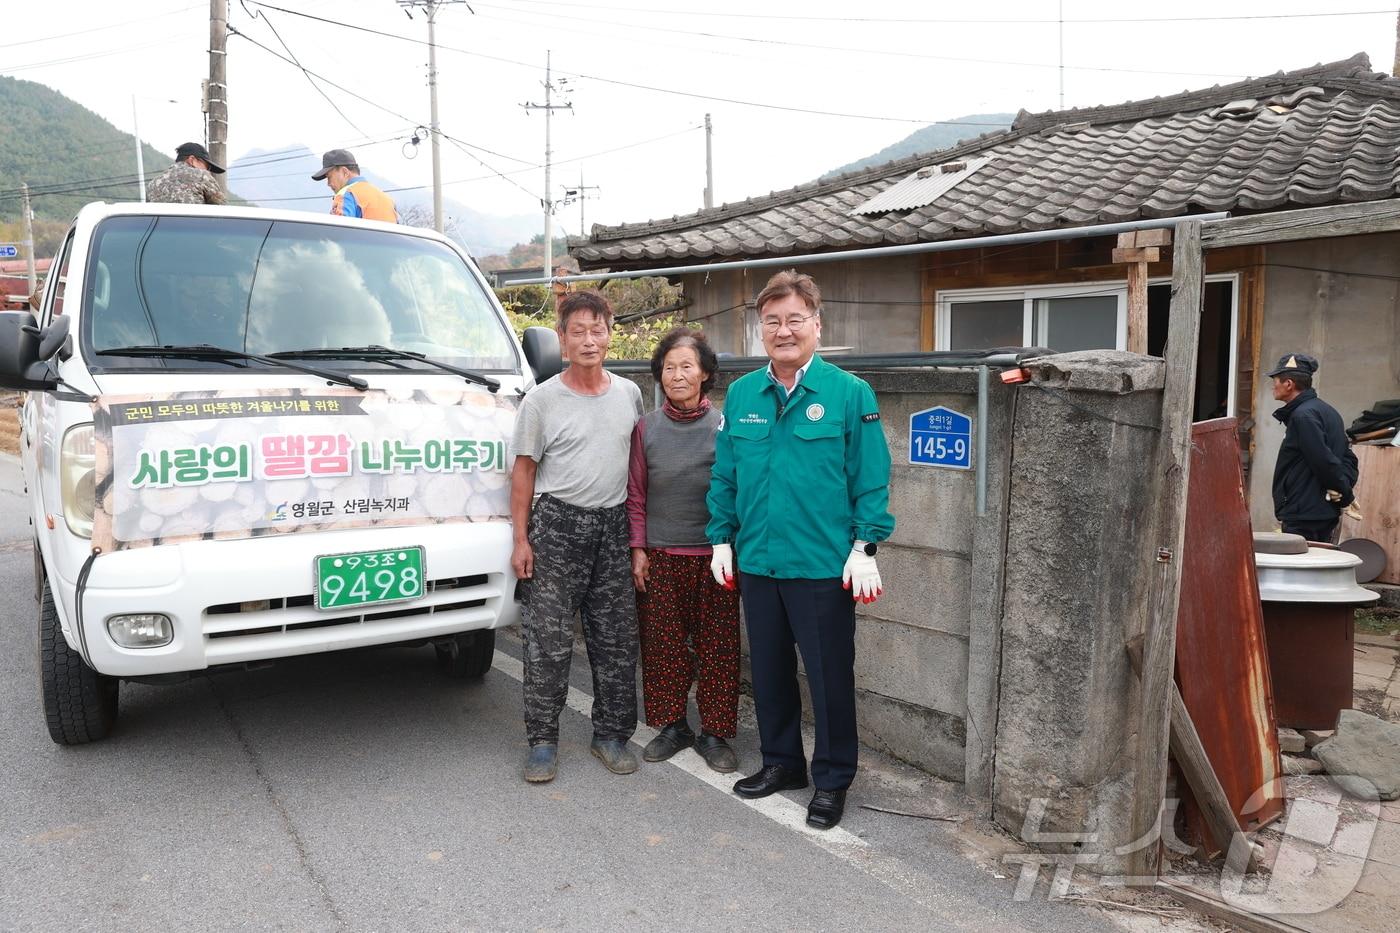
(253, 434)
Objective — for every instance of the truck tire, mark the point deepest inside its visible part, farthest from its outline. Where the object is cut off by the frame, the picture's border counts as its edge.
(80, 705)
(467, 656)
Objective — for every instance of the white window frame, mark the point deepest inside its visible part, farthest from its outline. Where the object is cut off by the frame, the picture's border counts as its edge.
(1029, 294)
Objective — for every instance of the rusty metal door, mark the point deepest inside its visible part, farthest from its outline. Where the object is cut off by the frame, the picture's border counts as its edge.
(1222, 665)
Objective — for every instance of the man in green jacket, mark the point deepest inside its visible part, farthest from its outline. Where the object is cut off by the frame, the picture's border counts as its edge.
(800, 492)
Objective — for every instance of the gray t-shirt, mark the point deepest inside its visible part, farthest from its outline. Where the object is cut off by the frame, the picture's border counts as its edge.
(581, 442)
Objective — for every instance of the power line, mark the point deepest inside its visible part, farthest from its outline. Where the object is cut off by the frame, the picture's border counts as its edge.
(614, 81)
(120, 50)
(361, 97)
(255, 14)
(883, 53)
(92, 29)
(950, 21)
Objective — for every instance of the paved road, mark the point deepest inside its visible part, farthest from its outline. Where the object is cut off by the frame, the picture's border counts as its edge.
(363, 791)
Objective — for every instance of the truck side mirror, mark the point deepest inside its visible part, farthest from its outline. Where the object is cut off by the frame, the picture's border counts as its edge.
(542, 352)
(22, 363)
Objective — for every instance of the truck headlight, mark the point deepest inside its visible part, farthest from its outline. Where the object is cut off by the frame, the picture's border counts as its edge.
(141, 630)
(77, 470)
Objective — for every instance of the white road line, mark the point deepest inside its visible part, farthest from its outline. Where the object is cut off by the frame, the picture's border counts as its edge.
(777, 808)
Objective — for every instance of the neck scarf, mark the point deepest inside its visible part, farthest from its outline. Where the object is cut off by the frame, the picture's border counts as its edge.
(684, 415)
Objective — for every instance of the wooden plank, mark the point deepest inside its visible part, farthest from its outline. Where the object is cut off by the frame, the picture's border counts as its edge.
(1137, 307)
(1171, 470)
(1236, 917)
(1190, 754)
(1161, 236)
(1138, 254)
(1309, 223)
(927, 306)
(1380, 506)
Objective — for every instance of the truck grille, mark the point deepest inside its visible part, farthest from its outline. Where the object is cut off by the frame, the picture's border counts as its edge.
(293, 613)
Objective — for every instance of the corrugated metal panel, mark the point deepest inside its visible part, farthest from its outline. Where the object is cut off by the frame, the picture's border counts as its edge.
(1222, 665)
(923, 187)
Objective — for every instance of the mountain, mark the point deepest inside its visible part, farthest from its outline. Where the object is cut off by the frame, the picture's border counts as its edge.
(933, 137)
(52, 142)
(281, 178)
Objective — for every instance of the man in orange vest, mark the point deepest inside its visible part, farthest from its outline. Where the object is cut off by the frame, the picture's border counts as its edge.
(354, 197)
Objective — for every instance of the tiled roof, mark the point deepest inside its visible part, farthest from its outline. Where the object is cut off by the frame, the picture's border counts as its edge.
(1320, 135)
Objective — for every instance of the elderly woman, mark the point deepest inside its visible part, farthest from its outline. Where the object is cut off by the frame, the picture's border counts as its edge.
(689, 624)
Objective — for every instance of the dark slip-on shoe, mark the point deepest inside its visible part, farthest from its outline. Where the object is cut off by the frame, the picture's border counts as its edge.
(826, 808)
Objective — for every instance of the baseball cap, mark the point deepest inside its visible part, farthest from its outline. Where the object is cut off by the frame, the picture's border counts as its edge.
(1294, 363)
(199, 152)
(330, 160)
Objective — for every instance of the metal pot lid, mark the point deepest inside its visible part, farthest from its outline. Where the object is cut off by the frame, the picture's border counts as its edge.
(1322, 575)
(1372, 557)
(1276, 542)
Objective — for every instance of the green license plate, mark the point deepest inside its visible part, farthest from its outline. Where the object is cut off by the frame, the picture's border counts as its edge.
(366, 578)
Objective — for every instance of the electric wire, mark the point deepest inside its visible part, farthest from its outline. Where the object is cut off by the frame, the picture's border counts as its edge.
(958, 21)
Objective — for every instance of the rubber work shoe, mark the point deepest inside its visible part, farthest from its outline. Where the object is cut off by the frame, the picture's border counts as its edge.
(668, 741)
(542, 764)
(717, 753)
(615, 755)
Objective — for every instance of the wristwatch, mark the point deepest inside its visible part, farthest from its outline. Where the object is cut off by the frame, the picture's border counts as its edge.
(869, 548)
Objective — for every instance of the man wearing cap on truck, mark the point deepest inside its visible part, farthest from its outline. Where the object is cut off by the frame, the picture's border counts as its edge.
(354, 197)
(1316, 470)
(190, 180)
(799, 493)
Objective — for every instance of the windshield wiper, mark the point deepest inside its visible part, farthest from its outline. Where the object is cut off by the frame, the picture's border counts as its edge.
(376, 351)
(208, 351)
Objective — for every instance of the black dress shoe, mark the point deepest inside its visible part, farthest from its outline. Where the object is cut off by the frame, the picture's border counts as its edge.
(826, 808)
(769, 780)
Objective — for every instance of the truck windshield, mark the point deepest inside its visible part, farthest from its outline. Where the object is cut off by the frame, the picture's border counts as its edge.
(271, 287)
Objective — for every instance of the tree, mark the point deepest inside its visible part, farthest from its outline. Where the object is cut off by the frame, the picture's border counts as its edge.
(637, 328)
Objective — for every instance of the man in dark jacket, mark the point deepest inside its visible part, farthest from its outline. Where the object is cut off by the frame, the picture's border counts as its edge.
(1316, 470)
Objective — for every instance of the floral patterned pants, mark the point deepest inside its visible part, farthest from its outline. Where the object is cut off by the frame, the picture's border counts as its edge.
(690, 635)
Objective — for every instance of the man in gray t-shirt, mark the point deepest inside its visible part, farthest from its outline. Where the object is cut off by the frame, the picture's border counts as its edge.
(571, 443)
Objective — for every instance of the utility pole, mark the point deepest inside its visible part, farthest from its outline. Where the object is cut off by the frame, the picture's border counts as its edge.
(580, 194)
(430, 7)
(548, 202)
(140, 161)
(1062, 54)
(29, 239)
(218, 87)
(709, 165)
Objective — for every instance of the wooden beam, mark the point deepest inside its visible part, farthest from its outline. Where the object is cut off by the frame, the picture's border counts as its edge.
(1309, 223)
(1190, 754)
(1171, 471)
(1136, 256)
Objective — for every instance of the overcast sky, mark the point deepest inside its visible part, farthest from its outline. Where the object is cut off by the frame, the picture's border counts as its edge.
(848, 59)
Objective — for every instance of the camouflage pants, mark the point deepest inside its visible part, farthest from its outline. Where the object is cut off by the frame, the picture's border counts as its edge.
(582, 564)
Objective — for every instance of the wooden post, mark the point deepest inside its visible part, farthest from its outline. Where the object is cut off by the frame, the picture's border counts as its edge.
(1171, 469)
(1137, 249)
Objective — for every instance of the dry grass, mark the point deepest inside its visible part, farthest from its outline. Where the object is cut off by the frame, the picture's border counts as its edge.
(9, 424)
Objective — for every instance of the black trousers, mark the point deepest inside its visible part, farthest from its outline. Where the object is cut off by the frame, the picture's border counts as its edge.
(1313, 531)
(819, 618)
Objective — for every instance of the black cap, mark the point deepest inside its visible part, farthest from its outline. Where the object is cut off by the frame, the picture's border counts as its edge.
(199, 152)
(330, 160)
(1294, 363)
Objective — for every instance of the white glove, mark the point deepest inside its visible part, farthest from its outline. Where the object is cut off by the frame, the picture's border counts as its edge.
(861, 576)
(722, 565)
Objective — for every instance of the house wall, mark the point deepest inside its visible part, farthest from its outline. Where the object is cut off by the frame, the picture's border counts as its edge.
(874, 306)
(1349, 319)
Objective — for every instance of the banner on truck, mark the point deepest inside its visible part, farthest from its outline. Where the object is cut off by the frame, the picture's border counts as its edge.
(194, 465)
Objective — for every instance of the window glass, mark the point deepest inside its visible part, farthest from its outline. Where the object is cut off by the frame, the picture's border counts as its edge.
(265, 287)
(985, 325)
(1086, 322)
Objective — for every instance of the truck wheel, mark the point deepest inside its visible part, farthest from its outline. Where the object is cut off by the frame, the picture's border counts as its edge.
(467, 656)
(80, 705)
